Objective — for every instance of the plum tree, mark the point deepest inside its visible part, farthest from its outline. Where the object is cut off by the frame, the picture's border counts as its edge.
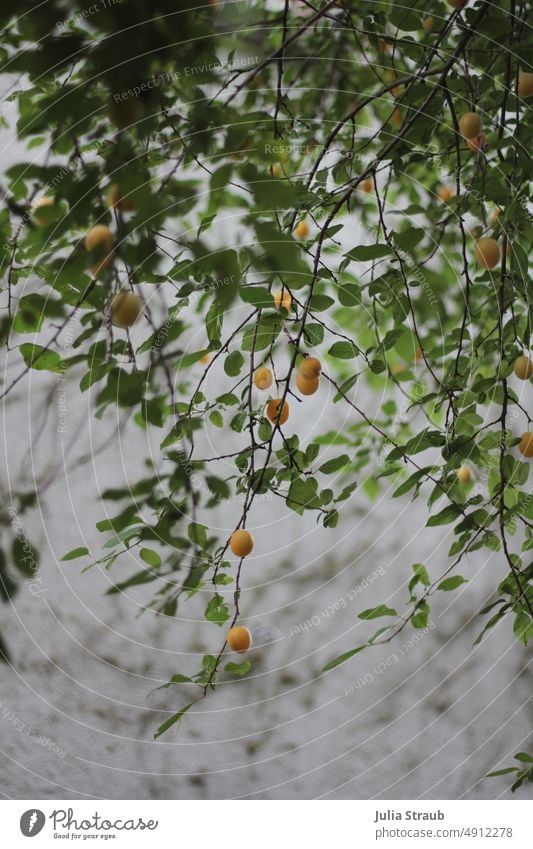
(288, 206)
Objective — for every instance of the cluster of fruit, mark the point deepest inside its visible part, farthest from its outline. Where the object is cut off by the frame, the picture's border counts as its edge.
(239, 638)
(125, 306)
(307, 382)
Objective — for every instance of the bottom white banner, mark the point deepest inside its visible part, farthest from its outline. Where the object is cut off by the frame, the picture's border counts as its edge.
(308, 824)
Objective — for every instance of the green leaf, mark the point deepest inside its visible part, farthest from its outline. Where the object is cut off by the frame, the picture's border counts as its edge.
(75, 553)
(331, 519)
(264, 430)
(217, 610)
(343, 658)
(39, 358)
(331, 466)
(168, 723)
(302, 495)
(143, 577)
(4, 653)
(263, 334)
(216, 418)
(313, 334)
(449, 514)
(419, 619)
(25, 556)
(452, 583)
(408, 20)
(32, 311)
(198, 534)
(188, 360)
(376, 612)
(150, 557)
(233, 363)
(420, 576)
(220, 177)
(505, 771)
(523, 628)
(238, 668)
(343, 350)
(365, 252)
(258, 296)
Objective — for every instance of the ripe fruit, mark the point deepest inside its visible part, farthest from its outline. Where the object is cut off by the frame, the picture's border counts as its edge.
(488, 253)
(526, 444)
(205, 359)
(478, 143)
(525, 84)
(464, 475)
(367, 186)
(241, 543)
(470, 125)
(263, 378)
(277, 170)
(282, 298)
(125, 309)
(38, 203)
(302, 230)
(276, 412)
(99, 240)
(307, 385)
(523, 368)
(457, 4)
(310, 367)
(115, 200)
(427, 24)
(496, 213)
(239, 638)
(445, 193)
(396, 118)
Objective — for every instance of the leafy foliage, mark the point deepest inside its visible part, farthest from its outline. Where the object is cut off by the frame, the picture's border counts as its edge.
(243, 117)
